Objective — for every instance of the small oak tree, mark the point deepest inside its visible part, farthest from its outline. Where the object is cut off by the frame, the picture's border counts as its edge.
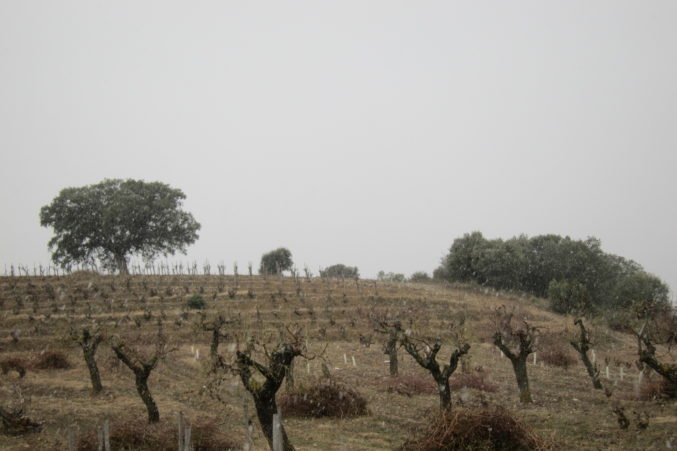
(114, 219)
(275, 262)
(341, 271)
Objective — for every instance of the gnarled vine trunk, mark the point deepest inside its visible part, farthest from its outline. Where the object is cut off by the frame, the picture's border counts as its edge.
(264, 393)
(141, 372)
(582, 346)
(441, 375)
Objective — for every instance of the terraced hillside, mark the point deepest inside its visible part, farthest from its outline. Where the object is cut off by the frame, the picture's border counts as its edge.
(337, 319)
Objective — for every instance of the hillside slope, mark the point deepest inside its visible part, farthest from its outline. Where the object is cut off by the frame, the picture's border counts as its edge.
(38, 312)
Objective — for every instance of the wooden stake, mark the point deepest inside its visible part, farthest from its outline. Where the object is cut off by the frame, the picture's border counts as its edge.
(179, 420)
(187, 446)
(277, 432)
(247, 429)
(106, 435)
(71, 438)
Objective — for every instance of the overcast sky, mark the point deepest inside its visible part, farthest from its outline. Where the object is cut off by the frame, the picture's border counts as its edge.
(370, 133)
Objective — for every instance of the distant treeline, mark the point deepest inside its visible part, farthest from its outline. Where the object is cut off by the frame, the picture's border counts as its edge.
(574, 274)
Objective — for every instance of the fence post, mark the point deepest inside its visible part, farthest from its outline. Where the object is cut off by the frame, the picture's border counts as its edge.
(277, 432)
(106, 435)
(179, 419)
(247, 429)
(187, 446)
(71, 439)
(99, 434)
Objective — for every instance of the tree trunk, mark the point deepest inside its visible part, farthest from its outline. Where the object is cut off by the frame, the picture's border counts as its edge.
(594, 375)
(519, 365)
(289, 376)
(582, 346)
(444, 391)
(144, 393)
(214, 348)
(94, 375)
(121, 263)
(264, 394)
(391, 350)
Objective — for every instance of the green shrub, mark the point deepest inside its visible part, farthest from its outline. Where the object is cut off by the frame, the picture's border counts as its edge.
(390, 276)
(341, 271)
(420, 276)
(567, 296)
(195, 302)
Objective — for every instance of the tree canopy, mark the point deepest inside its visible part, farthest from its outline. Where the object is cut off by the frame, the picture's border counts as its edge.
(573, 273)
(341, 271)
(275, 262)
(115, 219)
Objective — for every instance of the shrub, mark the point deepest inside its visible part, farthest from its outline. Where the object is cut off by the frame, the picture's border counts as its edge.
(420, 277)
(476, 380)
(475, 429)
(411, 384)
(567, 296)
(557, 356)
(341, 271)
(390, 277)
(52, 360)
(323, 400)
(131, 433)
(620, 321)
(195, 302)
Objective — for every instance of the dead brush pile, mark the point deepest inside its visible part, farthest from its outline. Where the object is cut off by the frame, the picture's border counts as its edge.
(324, 399)
(135, 433)
(656, 388)
(411, 384)
(483, 428)
(52, 360)
(557, 356)
(476, 379)
(15, 364)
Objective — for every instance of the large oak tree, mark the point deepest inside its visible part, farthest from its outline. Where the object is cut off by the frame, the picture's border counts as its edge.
(114, 219)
